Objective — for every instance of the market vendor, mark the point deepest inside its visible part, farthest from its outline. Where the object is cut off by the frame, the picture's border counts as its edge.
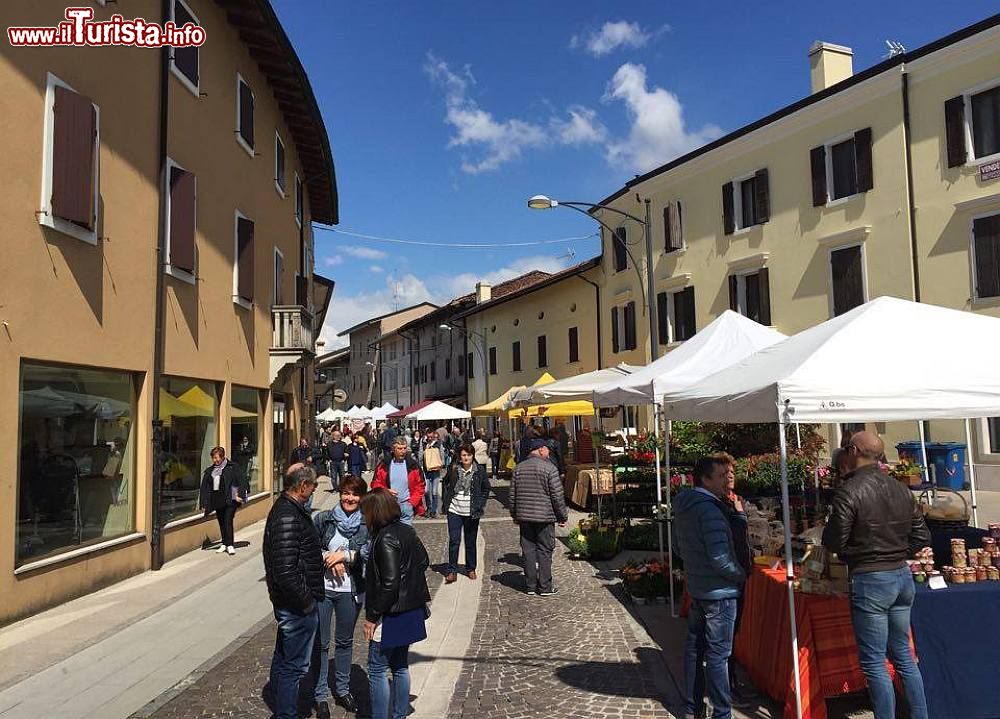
(874, 527)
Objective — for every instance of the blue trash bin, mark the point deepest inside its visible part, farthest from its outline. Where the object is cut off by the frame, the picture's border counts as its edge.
(948, 460)
(912, 451)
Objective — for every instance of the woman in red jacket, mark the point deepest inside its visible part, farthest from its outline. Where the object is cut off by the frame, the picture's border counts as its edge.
(402, 477)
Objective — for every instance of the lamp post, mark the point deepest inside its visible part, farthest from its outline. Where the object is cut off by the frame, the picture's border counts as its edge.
(481, 350)
(541, 202)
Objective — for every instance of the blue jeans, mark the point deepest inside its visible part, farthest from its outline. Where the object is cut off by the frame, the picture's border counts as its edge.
(406, 510)
(357, 469)
(431, 491)
(710, 636)
(292, 652)
(336, 469)
(880, 613)
(343, 608)
(457, 527)
(396, 660)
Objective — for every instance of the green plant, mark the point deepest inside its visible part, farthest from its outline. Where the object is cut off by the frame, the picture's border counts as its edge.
(761, 474)
(602, 545)
(577, 542)
(641, 536)
(691, 440)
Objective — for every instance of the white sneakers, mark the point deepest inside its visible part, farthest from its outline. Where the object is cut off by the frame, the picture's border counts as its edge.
(230, 551)
(223, 549)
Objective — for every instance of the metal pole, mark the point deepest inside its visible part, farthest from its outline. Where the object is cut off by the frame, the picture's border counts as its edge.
(789, 568)
(670, 519)
(659, 478)
(923, 450)
(972, 473)
(650, 299)
(597, 462)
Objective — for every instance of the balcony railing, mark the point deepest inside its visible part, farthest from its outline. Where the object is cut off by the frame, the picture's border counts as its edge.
(293, 328)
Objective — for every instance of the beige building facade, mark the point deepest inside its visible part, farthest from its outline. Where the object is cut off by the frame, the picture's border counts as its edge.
(192, 176)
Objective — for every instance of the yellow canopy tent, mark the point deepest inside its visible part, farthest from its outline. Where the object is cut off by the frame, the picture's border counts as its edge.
(496, 406)
(556, 409)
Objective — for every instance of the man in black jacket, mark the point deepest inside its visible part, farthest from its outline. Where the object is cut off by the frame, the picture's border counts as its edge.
(874, 527)
(293, 565)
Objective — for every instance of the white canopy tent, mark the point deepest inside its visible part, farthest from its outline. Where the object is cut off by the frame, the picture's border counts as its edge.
(357, 412)
(327, 415)
(844, 370)
(578, 387)
(438, 411)
(379, 414)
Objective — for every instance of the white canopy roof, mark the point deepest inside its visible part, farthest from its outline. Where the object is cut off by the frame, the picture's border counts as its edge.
(438, 410)
(357, 412)
(380, 413)
(728, 338)
(327, 415)
(579, 387)
(889, 359)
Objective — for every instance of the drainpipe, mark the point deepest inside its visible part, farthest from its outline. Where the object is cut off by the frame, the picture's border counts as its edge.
(597, 294)
(914, 253)
(156, 531)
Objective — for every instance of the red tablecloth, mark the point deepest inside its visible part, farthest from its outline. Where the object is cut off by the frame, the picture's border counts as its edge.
(828, 655)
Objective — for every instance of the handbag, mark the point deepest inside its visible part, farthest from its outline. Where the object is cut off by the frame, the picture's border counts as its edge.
(433, 461)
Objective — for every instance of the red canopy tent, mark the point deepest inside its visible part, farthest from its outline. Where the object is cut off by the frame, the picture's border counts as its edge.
(401, 414)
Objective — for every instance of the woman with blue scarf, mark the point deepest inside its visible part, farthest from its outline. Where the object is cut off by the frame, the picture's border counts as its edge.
(344, 540)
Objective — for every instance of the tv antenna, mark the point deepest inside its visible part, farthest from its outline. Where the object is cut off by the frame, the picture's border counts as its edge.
(895, 48)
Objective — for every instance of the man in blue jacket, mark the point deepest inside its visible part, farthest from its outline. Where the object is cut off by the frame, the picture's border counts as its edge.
(704, 540)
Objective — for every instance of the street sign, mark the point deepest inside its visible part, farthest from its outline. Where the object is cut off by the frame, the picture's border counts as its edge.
(339, 396)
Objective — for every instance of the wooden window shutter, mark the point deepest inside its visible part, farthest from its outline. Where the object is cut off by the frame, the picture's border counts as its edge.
(761, 197)
(954, 130)
(662, 320)
(684, 324)
(615, 338)
(677, 228)
(543, 359)
(574, 344)
(182, 219)
(863, 159)
(185, 58)
(734, 297)
(618, 242)
(515, 350)
(986, 236)
(668, 242)
(765, 296)
(244, 258)
(817, 166)
(728, 216)
(848, 280)
(301, 291)
(630, 339)
(246, 113)
(73, 139)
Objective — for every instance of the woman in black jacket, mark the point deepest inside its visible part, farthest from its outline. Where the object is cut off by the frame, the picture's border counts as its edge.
(463, 499)
(223, 489)
(395, 602)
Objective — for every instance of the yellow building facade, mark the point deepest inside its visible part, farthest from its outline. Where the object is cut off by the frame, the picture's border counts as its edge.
(194, 175)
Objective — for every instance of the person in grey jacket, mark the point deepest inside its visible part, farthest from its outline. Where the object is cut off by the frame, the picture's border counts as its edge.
(704, 540)
(536, 504)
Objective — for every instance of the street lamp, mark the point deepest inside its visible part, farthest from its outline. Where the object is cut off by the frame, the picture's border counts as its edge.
(543, 202)
(481, 351)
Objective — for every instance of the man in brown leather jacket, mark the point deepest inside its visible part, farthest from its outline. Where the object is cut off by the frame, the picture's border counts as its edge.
(874, 527)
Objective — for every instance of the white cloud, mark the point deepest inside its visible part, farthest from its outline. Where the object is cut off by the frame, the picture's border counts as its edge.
(583, 127)
(365, 253)
(466, 282)
(333, 261)
(614, 35)
(658, 133)
(377, 269)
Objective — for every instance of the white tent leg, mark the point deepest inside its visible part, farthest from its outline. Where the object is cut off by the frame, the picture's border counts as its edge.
(798, 436)
(923, 449)
(670, 519)
(789, 569)
(596, 486)
(659, 478)
(972, 473)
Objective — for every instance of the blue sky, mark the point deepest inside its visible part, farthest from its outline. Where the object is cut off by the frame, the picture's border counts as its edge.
(446, 116)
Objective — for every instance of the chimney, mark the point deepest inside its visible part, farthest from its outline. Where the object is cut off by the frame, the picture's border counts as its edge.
(484, 292)
(829, 64)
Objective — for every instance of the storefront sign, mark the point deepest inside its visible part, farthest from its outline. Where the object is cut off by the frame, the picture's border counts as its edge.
(989, 171)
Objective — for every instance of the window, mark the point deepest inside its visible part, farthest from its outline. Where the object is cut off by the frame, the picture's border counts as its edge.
(675, 316)
(993, 430)
(619, 249)
(280, 184)
(750, 295)
(847, 278)
(76, 468)
(244, 115)
(842, 167)
(973, 118)
(493, 361)
(181, 191)
(279, 278)
(472, 367)
(188, 409)
(623, 337)
(433, 370)
(243, 262)
(447, 368)
(986, 123)
(70, 173)
(185, 65)
(299, 201)
(244, 433)
(543, 360)
(574, 344)
(746, 202)
(673, 229)
(515, 351)
(986, 255)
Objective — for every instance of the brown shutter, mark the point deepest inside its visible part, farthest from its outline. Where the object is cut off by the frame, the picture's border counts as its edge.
(574, 344)
(986, 234)
(848, 280)
(954, 130)
(615, 339)
(185, 58)
(765, 296)
(734, 297)
(668, 243)
(677, 231)
(863, 159)
(246, 113)
(619, 242)
(182, 219)
(685, 316)
(516, 356)
(543, 359)
(817, 163)
(73, 138)
(630, 340)
(301, 290)
(761, 197)
(661, 318)
(244, 258)
(728, 217)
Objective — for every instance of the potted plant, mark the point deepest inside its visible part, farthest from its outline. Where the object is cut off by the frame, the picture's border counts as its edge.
(577, 543)
(908, 472)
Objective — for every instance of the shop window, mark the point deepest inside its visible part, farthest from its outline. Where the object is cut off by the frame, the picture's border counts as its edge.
(244, 115)
(847, 277)
(76, 468)
(188, 410)
(986, 255)
(574, 344)
(750, 295)
(244, 432)
(186, 59)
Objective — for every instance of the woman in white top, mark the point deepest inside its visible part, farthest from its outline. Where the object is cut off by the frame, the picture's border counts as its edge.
(344, 539)
(466, 489)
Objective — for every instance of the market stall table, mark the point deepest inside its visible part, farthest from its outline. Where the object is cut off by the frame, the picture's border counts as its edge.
(579, 483)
